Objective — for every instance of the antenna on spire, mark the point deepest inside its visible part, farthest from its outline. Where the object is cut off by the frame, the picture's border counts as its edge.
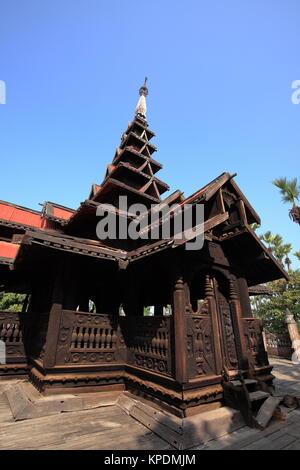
(141, 107)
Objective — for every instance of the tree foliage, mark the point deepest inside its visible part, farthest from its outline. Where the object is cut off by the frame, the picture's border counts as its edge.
(289, 190)
(11, 302)
(272, 310)
(279, 249)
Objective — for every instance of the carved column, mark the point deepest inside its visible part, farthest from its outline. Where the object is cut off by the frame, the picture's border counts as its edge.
(212, 308)
(293, 332)
(239, 333)
(179, 304)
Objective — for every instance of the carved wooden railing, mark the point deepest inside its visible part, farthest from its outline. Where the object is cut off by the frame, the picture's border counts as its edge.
(253, 332)
(11, 333)
(279, 345)
(148, 341)
(87, 338)
(91, 338)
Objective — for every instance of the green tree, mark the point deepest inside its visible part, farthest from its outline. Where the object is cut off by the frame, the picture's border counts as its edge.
(11, 302)
(297, 254)
(279, 249)
(286, 294)
(268, 238)
(290, 193)
(282, 254)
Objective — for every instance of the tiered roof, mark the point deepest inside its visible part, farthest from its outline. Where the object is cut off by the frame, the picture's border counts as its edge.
(132, 171)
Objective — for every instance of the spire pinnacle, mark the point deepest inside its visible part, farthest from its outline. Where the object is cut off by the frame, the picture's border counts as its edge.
(141, 107)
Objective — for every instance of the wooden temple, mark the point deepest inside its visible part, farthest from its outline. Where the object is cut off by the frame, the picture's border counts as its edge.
(83, 326)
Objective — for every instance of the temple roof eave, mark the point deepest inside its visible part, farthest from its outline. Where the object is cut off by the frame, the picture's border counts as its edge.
(32, 240)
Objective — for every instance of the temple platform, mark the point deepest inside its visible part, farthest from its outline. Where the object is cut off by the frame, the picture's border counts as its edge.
(111, 428)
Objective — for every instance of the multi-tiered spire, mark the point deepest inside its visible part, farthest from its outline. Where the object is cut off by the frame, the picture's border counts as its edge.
(132, 171)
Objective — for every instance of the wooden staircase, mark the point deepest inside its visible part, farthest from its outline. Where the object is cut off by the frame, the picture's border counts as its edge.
(246, 395)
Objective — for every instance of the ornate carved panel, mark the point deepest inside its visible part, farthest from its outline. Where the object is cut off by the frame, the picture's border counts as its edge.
(227, 331)
(200, 350)
(255, 343)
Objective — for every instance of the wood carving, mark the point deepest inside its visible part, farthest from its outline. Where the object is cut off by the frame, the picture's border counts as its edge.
(85, 326)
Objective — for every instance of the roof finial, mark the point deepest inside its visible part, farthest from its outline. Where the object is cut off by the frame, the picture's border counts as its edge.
(141, 107)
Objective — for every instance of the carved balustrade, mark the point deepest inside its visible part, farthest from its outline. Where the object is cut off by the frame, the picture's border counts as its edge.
(11, 333)
(87, 338)
(148, 341)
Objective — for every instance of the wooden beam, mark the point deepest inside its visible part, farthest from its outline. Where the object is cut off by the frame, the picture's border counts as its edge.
(242, 212)
(202, 228)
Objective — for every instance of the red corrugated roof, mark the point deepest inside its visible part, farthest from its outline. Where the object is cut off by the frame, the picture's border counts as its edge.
(21, 216)
(8, 250)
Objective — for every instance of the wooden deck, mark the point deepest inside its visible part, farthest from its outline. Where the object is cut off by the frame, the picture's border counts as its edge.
(102, 428)
(110, 428)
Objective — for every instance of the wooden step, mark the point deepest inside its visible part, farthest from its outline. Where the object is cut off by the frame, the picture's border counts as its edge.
(259, 395)
(238, 383)
(266, 411)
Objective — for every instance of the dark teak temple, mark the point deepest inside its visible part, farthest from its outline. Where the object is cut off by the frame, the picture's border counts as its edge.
(83, 327)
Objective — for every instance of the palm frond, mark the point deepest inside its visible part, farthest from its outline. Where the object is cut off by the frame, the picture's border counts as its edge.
(297, 254)
(289, 190)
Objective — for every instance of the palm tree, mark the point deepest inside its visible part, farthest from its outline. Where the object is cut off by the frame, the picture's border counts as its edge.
(268, 238)
(290, 192)
(277, 248)
(297, 254)
(282, 254)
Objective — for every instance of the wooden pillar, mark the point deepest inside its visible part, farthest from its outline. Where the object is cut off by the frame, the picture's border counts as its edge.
(158, 310)
(238, 327)
(132, 303)
(180, 330)
(54, 319)
(212, 308)
(246, 310)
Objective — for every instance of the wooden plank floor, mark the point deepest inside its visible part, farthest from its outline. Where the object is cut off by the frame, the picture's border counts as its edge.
(106, 428)
(110, 428)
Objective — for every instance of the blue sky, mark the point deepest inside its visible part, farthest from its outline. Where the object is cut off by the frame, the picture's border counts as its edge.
(220, 76)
